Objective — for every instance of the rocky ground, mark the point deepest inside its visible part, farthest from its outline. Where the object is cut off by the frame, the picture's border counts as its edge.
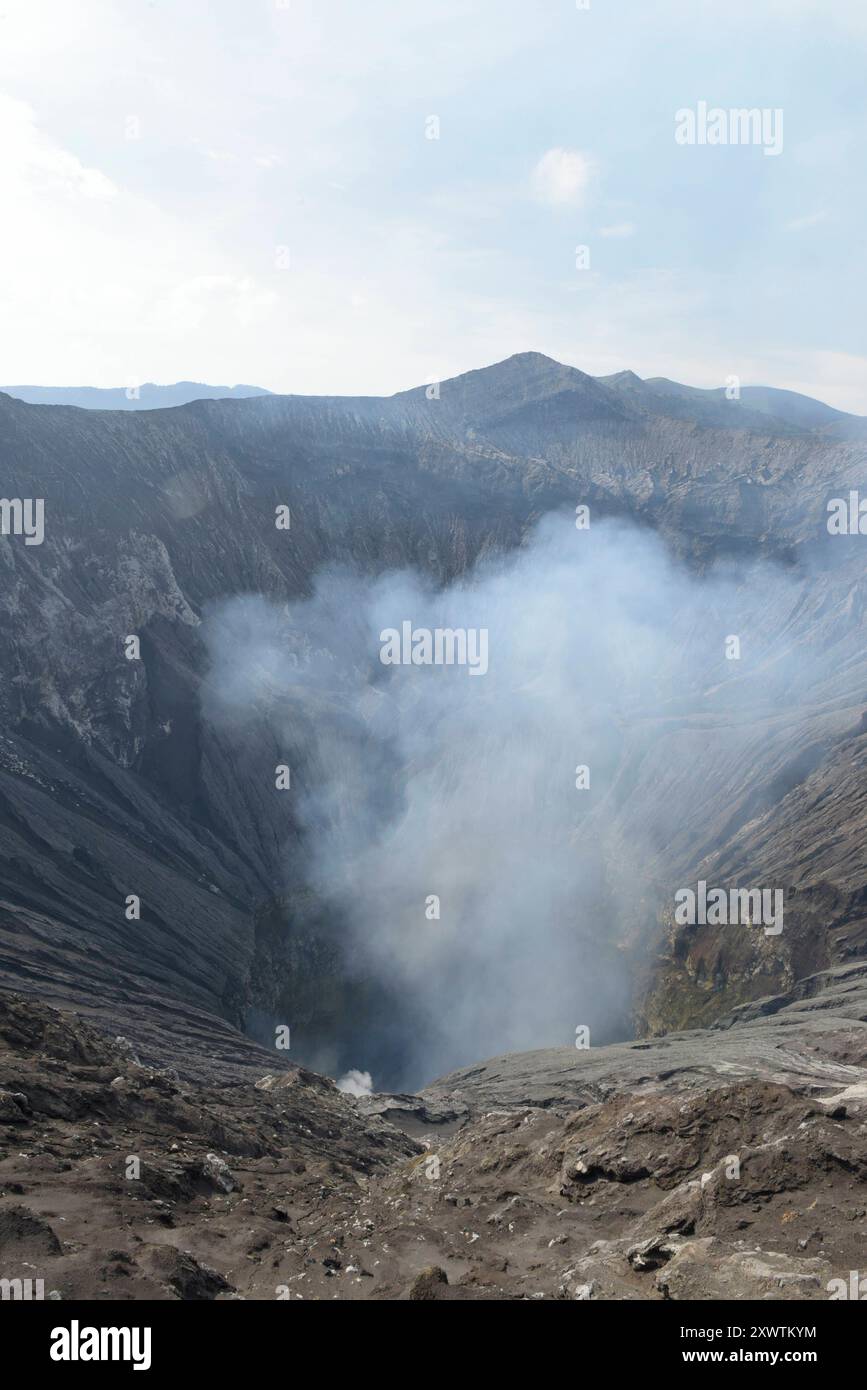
(724, 1164)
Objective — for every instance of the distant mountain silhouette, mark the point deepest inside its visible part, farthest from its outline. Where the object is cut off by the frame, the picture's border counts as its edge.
(150, 396)
(526, 380)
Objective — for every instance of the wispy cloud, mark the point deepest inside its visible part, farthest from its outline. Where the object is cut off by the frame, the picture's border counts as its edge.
(563, 176)
(812, 219)
(618, 230)
(31, 158)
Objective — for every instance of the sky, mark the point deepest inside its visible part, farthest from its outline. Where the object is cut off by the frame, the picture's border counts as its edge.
(360, 196)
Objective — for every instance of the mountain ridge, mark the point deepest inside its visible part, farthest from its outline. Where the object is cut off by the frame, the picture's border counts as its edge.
(110, 776)
(528, 368)
(150, 395)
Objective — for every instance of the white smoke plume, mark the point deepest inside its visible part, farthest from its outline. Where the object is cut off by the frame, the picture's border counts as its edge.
(356, 1083)
(444, 828)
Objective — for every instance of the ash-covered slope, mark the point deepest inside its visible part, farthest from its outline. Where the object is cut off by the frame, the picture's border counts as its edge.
(112, 783)
(727, 1164)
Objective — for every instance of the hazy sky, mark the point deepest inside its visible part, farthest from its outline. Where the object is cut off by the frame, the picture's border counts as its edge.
(162, 162)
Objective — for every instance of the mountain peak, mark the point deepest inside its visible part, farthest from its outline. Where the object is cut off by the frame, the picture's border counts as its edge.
(530, 359)
(524, 373)
(625, 378)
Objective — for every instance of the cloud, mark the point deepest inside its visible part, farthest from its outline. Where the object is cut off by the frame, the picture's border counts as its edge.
(812, 219)
(152, 256)
(563, 176)
(224, 298)
(111, 273)
(30, 158)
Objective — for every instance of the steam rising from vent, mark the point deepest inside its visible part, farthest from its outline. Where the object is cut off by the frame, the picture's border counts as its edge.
(474, 871)
(356, 1083)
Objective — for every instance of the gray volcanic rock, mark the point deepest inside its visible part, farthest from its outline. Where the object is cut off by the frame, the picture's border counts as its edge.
(661, 1171)
(112, 783)
(813, 1040)
(128, 1164)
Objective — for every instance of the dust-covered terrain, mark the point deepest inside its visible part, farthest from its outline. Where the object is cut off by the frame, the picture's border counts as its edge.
(720, 1165)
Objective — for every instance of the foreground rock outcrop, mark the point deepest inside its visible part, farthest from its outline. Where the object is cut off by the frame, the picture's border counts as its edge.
(730, 1164)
